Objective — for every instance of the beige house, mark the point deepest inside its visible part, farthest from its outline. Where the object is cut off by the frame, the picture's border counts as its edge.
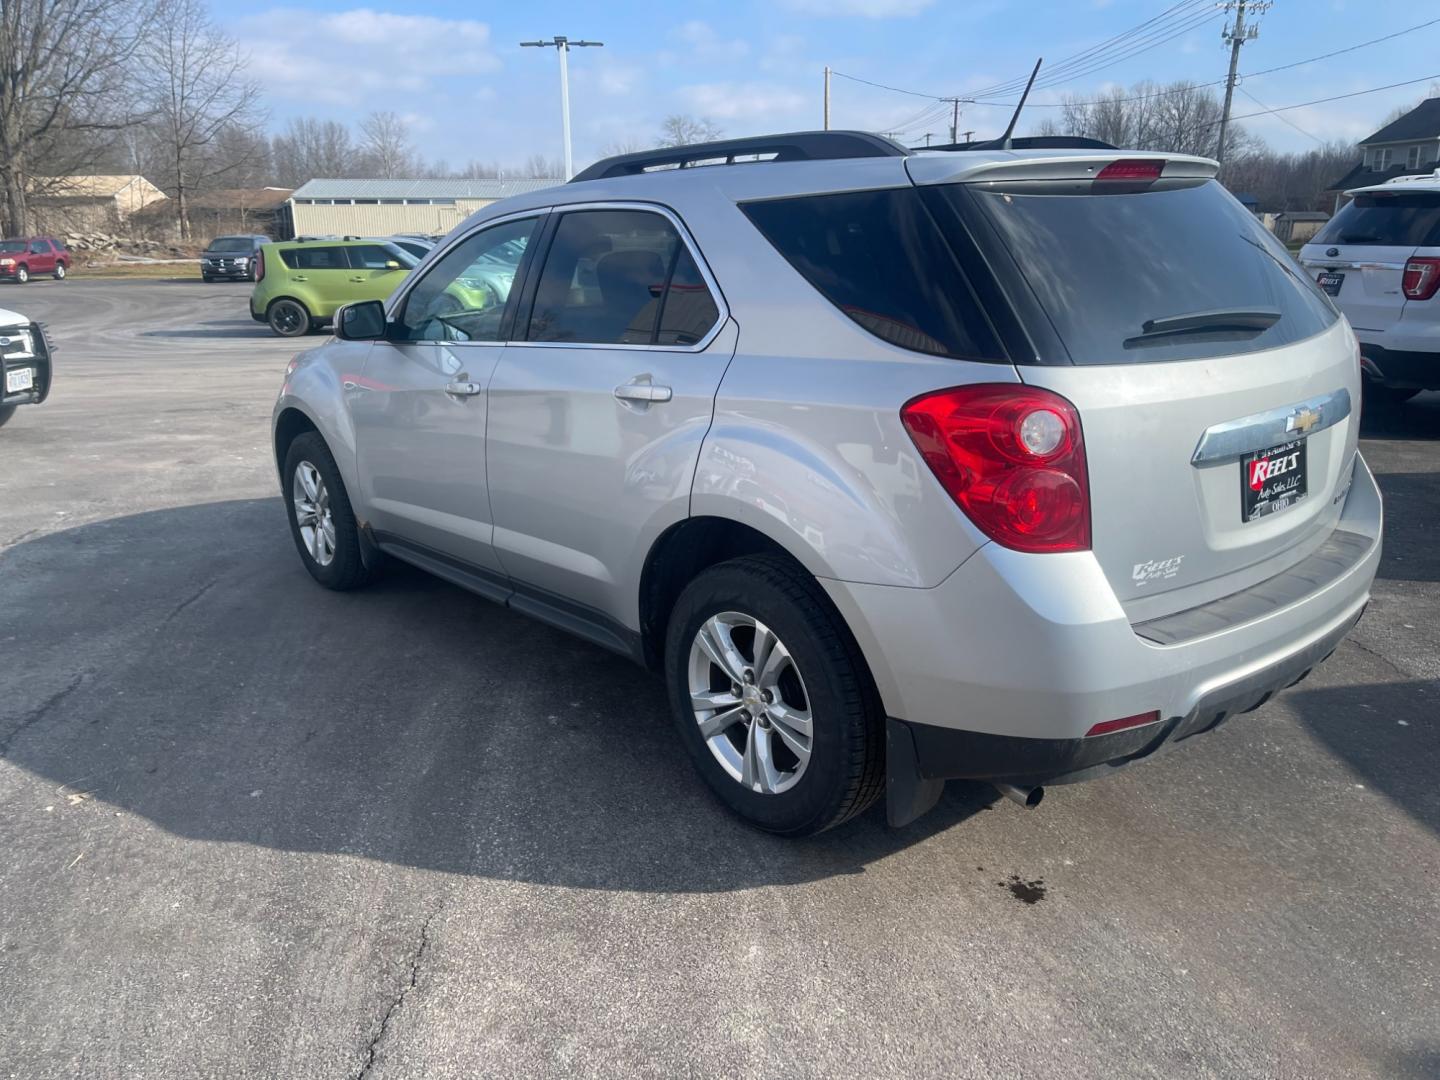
(386, 207)
(61, 204)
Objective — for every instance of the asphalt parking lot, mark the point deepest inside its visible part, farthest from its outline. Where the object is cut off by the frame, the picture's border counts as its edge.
(252, 828)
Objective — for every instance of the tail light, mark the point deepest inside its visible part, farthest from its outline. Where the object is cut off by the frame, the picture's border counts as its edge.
(260, 265)
(1012, 457)
(1132, 169)
(1422, 278)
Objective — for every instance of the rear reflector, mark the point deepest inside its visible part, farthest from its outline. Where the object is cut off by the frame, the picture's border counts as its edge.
(1105, 727)
(1133, 169)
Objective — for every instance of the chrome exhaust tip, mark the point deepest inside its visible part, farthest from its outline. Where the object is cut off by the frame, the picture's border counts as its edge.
(1028, 797)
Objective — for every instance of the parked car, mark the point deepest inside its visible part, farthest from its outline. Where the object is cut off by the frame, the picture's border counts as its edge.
(25, 364)
(300, 284)
(1379, 258)
(1011, 466)
(22, 258)
(419, 246)
(232, 258)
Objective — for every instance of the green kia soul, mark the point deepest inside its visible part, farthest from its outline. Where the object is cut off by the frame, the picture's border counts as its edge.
(299, 284)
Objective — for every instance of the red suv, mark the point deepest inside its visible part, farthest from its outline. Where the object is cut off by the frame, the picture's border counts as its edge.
(24, 257)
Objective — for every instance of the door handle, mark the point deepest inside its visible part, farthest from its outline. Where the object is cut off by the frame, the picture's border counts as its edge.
(357, 279)
(642, 393)
(463, 389)
(298, 277)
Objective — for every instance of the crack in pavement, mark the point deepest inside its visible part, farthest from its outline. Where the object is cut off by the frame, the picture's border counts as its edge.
(187, 602)
(399, 1000)
(39, 713)
(1379, 656)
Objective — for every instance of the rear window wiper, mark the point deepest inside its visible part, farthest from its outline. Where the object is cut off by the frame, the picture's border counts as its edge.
(1221, 321)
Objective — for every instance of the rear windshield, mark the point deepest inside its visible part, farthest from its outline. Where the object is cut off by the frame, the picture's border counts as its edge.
(231, 243)
(879, 258)
(1103, 266)
(1408, 219)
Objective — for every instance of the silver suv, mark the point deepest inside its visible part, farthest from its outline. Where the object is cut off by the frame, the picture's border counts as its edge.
(1379, 257)
(900, 467)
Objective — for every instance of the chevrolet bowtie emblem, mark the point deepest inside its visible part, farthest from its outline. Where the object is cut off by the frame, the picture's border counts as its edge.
(1302, 420)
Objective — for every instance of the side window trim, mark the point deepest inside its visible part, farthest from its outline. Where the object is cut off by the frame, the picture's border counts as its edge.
(686, 239)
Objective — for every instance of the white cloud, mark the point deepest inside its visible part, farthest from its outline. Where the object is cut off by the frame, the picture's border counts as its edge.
(744, 101)
(361, 53)
(701, 42)
(868, 9)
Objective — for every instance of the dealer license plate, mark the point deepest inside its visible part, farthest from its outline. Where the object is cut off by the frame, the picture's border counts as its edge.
(1272, 480)
(19, 379)
(1331, 283)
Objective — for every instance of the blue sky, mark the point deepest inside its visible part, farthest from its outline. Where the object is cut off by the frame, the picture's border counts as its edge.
(457, 73)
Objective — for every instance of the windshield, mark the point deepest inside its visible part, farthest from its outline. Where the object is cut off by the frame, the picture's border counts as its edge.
(231, 243)
(12, 245)
(1404, 219)
(1185, 259)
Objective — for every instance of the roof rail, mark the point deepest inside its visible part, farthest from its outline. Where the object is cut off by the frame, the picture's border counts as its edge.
(1029, 142)
(1413, 178)
(795, 146)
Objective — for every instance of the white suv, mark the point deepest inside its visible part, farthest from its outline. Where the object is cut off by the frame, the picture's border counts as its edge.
(1380, 259)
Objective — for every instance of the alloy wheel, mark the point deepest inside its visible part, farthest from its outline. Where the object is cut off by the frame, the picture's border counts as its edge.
(312, 513)
(750, 702)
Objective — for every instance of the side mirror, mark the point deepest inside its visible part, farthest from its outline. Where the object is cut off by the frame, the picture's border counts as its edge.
(363, 320)
(393, 265)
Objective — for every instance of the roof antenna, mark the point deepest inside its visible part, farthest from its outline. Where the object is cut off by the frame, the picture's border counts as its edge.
(1003, 143)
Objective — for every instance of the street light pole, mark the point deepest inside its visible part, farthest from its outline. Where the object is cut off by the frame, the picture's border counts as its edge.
(563, 45)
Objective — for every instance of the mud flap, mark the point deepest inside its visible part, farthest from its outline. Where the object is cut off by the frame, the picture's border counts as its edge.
(907, 794)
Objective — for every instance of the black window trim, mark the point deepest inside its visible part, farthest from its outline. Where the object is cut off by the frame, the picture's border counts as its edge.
(543, 249)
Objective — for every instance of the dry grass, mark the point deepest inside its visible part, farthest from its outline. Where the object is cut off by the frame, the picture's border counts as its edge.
(182, 271)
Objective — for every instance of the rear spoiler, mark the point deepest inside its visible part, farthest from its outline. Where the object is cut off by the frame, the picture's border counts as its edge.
(1057, 165)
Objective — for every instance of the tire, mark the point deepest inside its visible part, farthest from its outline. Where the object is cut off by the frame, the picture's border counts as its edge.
(288, 318)
(344, 569)
(22, 275)
(60, 271)
(825, 676)
(6, 412)
(207, 279)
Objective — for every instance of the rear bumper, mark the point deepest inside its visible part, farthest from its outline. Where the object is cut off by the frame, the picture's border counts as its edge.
(999, 672)
(1402, 367)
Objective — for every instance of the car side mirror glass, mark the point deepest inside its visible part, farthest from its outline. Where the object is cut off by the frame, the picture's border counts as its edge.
(392, 265)
(361, 321)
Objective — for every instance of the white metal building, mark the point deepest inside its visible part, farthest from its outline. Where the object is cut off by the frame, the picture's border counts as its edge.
(385, 207)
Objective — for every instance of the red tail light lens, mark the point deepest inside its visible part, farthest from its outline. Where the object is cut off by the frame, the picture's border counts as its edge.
(1125, 722)
(1132, 169)
(1422, 278)
(1012, 457)
(259, 265)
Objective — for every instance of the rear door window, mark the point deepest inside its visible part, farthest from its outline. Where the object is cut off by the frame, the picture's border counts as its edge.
(1140, 277)
(378, 257)
(1404, 219)
(315, 258)
(880, 258)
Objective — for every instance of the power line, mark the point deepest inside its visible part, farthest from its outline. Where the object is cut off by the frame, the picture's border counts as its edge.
(1181, 10)
(1337, 97)
(1282, 119)
(976, 97)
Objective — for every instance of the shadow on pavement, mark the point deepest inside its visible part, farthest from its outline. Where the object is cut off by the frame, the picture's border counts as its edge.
(182, 666)
(1386, 734)
(1410, 502)
(231, 328)
(1418, 418)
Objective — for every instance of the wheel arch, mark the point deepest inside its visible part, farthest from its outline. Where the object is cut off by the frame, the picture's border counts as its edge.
(290, 423)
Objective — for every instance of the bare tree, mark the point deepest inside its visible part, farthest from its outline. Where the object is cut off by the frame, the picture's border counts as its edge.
(1179, 118)
(308, 148)
(624, 146)
(681, 130)
(65, 81)
(539, 167)
(200, 88)
(385, 139)
(1293, 181)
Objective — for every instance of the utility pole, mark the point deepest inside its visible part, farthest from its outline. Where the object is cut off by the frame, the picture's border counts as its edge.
(927, 138)
(827, 97)
(563, 45)
(955, 120)
(1235, 37)
(967, 134)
